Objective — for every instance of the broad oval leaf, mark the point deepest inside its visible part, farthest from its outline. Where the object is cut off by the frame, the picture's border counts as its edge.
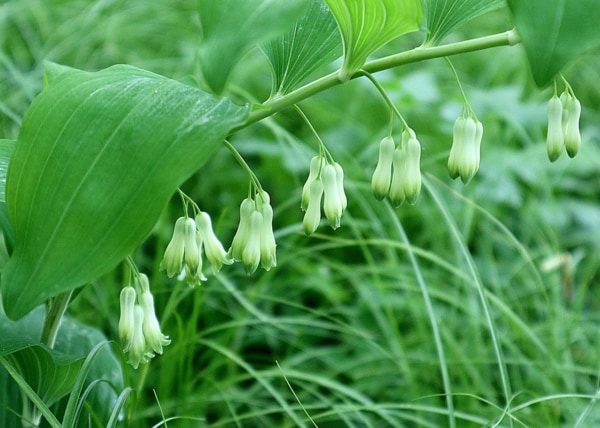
(367, 25)
(230, 28)
(443, 16)
(555, 32)
(314, 41)
(98, 156)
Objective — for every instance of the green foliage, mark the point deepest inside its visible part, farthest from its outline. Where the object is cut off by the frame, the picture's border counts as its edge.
(53, 373)
(88, 180)
(313, 42)
(554, 34)
(231, 28)
(368, 25)
(443, 16)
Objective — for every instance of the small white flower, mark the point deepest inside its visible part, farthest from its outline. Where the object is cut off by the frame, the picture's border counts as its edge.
(555, 143)
(339, 176)
(382, 177)
(240, 239)
(138, 352)
(127, 320)
(268, 258)
(312, 216)
(213, 249)
(192, 250)
(412, 164)
(464, 153)
(251, 251)
(316, 165)
(173, 257)
(332, 205)
(150, 326)
(572, 137)
(396, 192)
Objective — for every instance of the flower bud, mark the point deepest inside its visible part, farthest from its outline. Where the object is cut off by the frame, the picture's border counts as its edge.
(555, 139)
(572, 136)
(192, 254)
(312, 216)
(412, 178)
(316, 164)
(332, 205)
(268, 257)
(240, 239)
(396, 192)
(251, 251)
(382, 177)
(173, 257)
(127, 320)
(213, 249)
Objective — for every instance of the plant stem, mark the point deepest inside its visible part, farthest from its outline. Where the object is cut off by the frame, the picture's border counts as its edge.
(507, 38)
(56, 309)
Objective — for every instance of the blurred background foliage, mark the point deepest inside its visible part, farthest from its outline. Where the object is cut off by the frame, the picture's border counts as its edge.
(342, 317)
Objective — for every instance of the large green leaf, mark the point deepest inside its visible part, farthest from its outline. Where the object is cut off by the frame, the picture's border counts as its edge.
(367, 25)
(555, 32)
(443, 16)
(51, 373)
(314, 41)
(98, 156)
(230, 28)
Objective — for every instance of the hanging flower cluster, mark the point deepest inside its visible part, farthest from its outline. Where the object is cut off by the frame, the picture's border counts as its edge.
(398, 171)
(194, 239)
(325, 182)
(465, 151)
(139, 329)
(563, 125)
(254, 241)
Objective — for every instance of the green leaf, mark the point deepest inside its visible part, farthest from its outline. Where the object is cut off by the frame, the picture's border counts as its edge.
(98, 157)
(555, 33)
(367, 25)
(313, 42)
(52, 373)
(6, 149)
(443, 16)
(230, 28)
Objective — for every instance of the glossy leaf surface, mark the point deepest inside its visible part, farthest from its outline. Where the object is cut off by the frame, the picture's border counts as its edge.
(98, 156)
(555, 32)
(367, 25)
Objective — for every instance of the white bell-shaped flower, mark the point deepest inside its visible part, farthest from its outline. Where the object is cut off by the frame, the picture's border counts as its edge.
(382, 176)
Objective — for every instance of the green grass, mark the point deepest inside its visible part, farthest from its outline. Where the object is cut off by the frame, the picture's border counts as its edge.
(437, 314)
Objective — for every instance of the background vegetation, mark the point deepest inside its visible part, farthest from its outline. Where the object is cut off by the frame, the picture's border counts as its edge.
(487, 291)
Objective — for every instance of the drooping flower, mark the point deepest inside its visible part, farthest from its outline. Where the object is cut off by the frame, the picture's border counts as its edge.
(173, 257)
(138, 351)
(251, 252)
(316, 165)
(382, 177)
(268, 257)
(339, 176)
(240, 239)
(555, 143)
(213, 249)
(412, 164)
(332, 204)
(153, 335)
(312, 216)
(572, 137)
(464, 153)
(127, 320)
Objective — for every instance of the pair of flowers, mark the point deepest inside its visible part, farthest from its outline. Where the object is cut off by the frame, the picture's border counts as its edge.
(325, 182)
(563, 125)
(398, 171)
(465, 151)
(139, 329)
